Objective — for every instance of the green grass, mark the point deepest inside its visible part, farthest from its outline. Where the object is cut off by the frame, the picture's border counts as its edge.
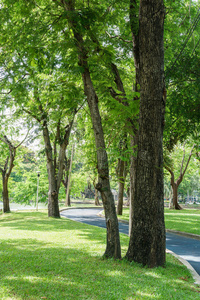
(186, 220)
(45, 258)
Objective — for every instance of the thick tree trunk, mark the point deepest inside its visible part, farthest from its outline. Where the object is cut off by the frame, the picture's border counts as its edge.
(147, 240)
(113, 248)
(6, 205)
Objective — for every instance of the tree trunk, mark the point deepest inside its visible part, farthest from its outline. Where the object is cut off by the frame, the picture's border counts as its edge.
(128, 196)
(121, 187)
(134, 23)
(53, 207)
(65, 179)
(67, 200)
(147, 240)
(6, 171)
(96, 198)
(113, 248)
(54, 167)
(175, 197)
(134, 142)
(67, 203)
(6, 205)
(113, 242)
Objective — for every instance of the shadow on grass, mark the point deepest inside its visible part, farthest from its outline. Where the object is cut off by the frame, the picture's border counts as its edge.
(39, 223)
(45, 258)
(32, 270)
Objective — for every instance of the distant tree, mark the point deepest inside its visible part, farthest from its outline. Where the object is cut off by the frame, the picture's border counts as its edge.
(168, 164)
(6, 168)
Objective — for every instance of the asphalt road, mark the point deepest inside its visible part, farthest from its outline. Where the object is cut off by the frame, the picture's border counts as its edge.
(185, 247)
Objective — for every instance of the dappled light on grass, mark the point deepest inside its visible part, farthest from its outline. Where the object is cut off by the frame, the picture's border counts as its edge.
(62, 259)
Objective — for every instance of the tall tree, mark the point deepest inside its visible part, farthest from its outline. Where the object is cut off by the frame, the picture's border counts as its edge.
(113, 248)
(147, 240)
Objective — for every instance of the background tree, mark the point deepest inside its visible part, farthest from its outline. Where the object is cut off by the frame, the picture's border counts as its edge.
(6, 167)
(168, 164)
(182, 71)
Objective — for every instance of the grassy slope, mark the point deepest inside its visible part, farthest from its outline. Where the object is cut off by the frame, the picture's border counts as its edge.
(44, 258)
(186, 220)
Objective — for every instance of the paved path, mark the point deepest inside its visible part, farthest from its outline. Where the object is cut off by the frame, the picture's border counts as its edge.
(185, 247)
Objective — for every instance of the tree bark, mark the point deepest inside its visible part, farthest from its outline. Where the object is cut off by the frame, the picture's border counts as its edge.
(67, 202)
(113, 248)
(134, 143)
(96, 198)
(121, 180)
(6, 171)
(6, 204)
(134, 23)
(53, 207)
(175, 197)
(113, 242)
(147, 240)
(65, 179)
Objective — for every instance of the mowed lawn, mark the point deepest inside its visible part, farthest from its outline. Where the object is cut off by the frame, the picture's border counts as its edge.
(45, 258)
(185, 220)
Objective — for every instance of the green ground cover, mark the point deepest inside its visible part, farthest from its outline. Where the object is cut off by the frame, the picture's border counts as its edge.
(186, 220)
(45, 258)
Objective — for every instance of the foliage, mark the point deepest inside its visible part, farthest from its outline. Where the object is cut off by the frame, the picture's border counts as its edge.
(24, 182)
(182, 71)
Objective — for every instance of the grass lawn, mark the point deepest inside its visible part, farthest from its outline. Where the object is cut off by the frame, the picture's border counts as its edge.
(186, 220)
(45, 258)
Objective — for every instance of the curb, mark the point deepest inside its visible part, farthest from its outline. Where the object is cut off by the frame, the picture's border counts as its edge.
(79, 207)
(194, 274)
(191, 235)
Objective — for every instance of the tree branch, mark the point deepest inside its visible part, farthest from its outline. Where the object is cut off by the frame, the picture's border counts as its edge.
(188, 160)
(32, 115)
(118, 37)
